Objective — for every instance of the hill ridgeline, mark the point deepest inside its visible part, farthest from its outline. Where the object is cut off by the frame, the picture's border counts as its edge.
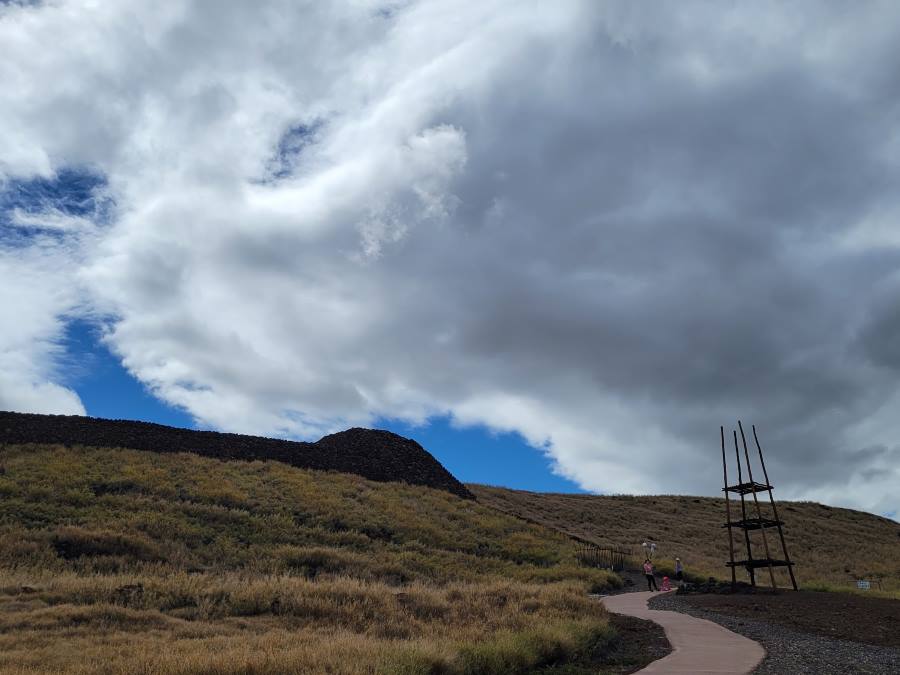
(370, 453)
(831, 546)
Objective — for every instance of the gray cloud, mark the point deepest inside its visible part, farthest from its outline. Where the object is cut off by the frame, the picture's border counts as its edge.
(608, 230)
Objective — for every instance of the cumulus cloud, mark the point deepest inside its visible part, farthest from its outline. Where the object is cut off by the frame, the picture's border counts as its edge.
(608, 229)
(34, 297)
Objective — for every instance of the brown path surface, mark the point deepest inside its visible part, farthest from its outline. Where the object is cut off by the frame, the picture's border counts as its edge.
(698, 646)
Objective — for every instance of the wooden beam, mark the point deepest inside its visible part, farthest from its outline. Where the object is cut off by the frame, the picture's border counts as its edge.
(728, 508)
(775, 510)
(758, 510)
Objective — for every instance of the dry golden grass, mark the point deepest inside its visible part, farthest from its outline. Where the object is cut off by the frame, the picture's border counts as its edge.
(237, 624)
(122, 561)
(831, 546)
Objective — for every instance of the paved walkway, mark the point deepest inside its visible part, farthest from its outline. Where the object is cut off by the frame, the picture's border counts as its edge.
(698, 646)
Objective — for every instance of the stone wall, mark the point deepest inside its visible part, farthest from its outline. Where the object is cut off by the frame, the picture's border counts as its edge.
(373, 454)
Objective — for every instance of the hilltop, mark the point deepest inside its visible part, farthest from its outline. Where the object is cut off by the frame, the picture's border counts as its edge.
(374, 454)
(120, 560)
(222, 553)
(831, 546)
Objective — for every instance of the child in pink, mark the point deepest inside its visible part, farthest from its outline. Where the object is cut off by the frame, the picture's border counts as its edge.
(648, 572)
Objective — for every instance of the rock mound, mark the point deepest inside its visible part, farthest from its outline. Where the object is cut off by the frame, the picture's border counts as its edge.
(370, 453)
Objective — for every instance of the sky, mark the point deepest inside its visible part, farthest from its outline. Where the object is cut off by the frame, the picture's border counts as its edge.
(474, 454)
(558, 243)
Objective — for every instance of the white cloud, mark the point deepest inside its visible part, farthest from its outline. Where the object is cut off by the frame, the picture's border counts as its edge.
(606, 229)
(34, 295)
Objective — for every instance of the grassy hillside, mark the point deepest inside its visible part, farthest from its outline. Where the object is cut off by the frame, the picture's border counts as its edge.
(371, 453)
(117, 560)
(832, 547)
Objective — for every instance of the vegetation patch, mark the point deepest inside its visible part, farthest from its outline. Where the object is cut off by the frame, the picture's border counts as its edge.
(179, 563)
(832, 547)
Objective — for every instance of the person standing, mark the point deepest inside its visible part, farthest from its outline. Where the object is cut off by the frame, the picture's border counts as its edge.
(679, 571)
(648, 572)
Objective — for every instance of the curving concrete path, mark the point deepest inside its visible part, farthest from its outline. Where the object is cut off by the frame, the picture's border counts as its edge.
(698, 646)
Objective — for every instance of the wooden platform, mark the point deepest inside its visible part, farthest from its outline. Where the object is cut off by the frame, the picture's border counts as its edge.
(754, 523)
(747, 488)
(757, 563)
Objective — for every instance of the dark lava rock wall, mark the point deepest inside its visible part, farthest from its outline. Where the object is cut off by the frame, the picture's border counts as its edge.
(373, 454)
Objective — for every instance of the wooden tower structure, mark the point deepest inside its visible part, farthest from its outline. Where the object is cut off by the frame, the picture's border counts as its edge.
(748, 524)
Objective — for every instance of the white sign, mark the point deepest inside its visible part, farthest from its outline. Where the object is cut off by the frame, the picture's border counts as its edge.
(863, 585)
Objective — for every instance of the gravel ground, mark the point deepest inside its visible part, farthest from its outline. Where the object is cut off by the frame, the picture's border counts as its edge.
(790, 652)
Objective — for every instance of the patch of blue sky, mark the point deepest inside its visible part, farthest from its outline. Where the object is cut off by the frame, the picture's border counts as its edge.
(71, 191)
(105, 387)
(51, 206)
(290, 147)
(21, 3)
(478, 455)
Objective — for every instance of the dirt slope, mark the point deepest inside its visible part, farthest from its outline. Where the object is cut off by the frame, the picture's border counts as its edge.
(830, 545)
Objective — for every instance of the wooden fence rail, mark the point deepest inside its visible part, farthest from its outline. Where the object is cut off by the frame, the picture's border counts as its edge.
(608, 558)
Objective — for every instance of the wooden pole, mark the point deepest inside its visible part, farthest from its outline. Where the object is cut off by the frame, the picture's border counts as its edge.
(787, 558)
(750, 570)
(728, 508)
(758, 510)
